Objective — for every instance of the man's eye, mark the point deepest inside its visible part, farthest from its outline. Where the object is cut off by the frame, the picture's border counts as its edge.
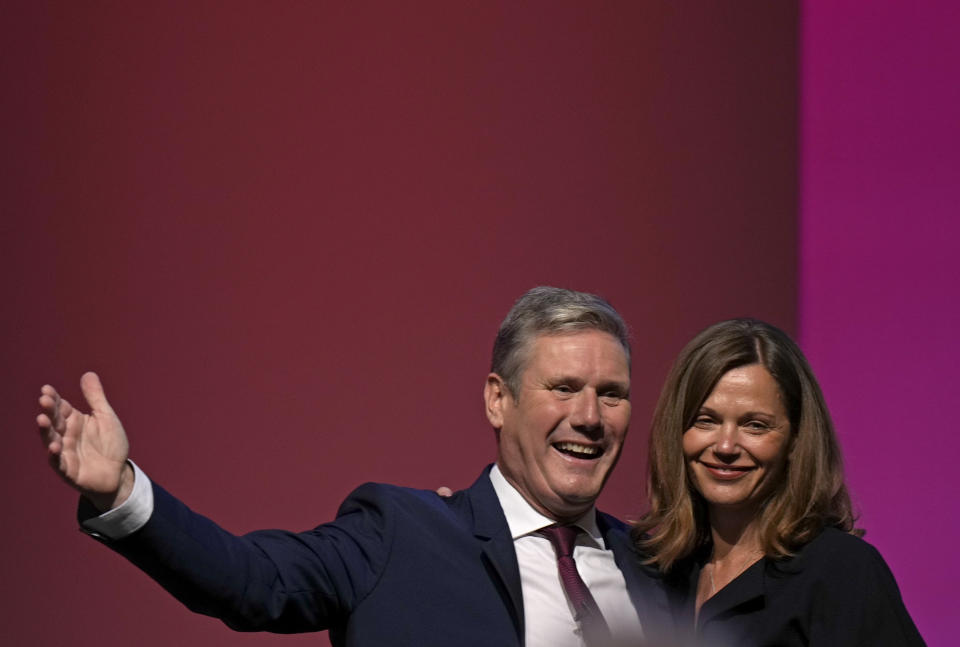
(611, 397)
(563, 388)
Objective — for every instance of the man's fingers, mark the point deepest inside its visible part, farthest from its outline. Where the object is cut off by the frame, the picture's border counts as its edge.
(93, 393)
(52, 441)
(47, 404)
(53, 408)
(45, 427)
(64, 409)
(44, 423)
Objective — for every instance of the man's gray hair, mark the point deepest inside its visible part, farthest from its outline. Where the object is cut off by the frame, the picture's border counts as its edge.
(546, 310)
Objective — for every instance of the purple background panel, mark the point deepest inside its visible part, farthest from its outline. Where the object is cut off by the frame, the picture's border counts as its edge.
(878, 308)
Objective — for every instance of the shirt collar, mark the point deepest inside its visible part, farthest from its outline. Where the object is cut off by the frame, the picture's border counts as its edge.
(523, 519)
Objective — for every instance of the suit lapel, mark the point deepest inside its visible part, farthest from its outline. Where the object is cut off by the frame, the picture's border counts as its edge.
(644, 584)
(491, 530)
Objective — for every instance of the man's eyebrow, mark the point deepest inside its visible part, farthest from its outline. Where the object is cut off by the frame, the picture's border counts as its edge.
(562, 378)
(623, 386)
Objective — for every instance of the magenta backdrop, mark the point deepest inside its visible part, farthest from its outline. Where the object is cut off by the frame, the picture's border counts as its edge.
(285, 233)
(879, 312)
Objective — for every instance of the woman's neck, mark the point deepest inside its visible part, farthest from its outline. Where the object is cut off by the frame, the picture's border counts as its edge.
(733, 532)
(736, 545)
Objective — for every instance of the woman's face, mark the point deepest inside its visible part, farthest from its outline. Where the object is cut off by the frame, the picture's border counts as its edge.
(736, 449)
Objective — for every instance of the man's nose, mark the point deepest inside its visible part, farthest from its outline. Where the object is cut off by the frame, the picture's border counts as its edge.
(585, 416)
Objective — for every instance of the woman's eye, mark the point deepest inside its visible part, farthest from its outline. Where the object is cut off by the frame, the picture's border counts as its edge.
(703, 422)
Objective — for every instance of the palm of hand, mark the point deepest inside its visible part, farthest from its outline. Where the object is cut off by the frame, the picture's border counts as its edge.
(94, 449)
(89, 451)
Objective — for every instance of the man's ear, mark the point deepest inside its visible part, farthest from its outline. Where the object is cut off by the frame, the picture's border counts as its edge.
(495, 395)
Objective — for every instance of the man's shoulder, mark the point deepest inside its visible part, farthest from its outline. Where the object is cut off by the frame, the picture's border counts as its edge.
(397, 500)
(609, 524)
(391, 497)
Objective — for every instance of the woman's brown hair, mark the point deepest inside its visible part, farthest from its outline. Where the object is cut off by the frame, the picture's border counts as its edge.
(810, 495)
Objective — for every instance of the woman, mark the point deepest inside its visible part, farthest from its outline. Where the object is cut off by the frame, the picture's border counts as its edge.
(750, 520)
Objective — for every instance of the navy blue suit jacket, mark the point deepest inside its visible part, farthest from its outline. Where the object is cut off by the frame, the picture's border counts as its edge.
(397, 567)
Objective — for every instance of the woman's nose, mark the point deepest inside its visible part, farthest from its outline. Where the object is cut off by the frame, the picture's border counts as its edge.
(727, 444)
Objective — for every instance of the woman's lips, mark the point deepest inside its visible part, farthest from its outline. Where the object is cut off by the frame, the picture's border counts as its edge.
(727, 472)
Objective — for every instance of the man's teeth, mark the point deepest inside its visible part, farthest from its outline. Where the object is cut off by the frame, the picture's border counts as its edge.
(577, 448)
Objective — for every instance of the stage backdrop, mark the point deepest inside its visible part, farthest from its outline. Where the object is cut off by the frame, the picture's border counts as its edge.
(285, 234)
(879, 272)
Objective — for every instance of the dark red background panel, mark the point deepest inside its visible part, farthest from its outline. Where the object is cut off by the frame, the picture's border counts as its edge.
(285, 234)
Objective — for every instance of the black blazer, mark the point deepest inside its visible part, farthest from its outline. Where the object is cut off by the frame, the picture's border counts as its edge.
(396, 567)
(834, 592)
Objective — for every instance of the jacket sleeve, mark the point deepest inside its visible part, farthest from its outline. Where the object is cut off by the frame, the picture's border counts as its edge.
(270, 580)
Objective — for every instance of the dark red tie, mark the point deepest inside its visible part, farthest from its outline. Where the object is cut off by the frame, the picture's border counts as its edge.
(585, 609)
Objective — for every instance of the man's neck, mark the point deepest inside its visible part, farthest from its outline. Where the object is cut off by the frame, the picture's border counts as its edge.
(523, 518)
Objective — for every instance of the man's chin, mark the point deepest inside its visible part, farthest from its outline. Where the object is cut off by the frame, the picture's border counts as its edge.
(570, 505)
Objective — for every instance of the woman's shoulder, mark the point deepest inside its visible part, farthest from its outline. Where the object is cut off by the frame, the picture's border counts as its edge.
(835, 542)
(838, 554)
(853, 596)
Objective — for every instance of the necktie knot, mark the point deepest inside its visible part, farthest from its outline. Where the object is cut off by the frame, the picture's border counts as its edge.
(563, 539)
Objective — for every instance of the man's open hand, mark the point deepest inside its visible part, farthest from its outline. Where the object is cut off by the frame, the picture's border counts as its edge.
(89, 451)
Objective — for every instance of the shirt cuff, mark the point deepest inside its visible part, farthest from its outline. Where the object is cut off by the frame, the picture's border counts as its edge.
(129, 516)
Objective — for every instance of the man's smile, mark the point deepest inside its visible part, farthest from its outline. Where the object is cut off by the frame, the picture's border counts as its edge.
(577, 450)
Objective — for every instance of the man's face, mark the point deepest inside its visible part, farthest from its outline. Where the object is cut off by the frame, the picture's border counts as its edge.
(560, 436)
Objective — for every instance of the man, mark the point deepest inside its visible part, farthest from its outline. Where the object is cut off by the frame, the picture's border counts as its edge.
(490, 565)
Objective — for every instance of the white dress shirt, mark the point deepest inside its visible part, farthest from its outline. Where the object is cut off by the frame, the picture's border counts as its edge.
(129, 516)
(548, 615)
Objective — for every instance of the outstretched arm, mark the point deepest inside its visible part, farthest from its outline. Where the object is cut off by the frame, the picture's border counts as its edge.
(89, 451)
